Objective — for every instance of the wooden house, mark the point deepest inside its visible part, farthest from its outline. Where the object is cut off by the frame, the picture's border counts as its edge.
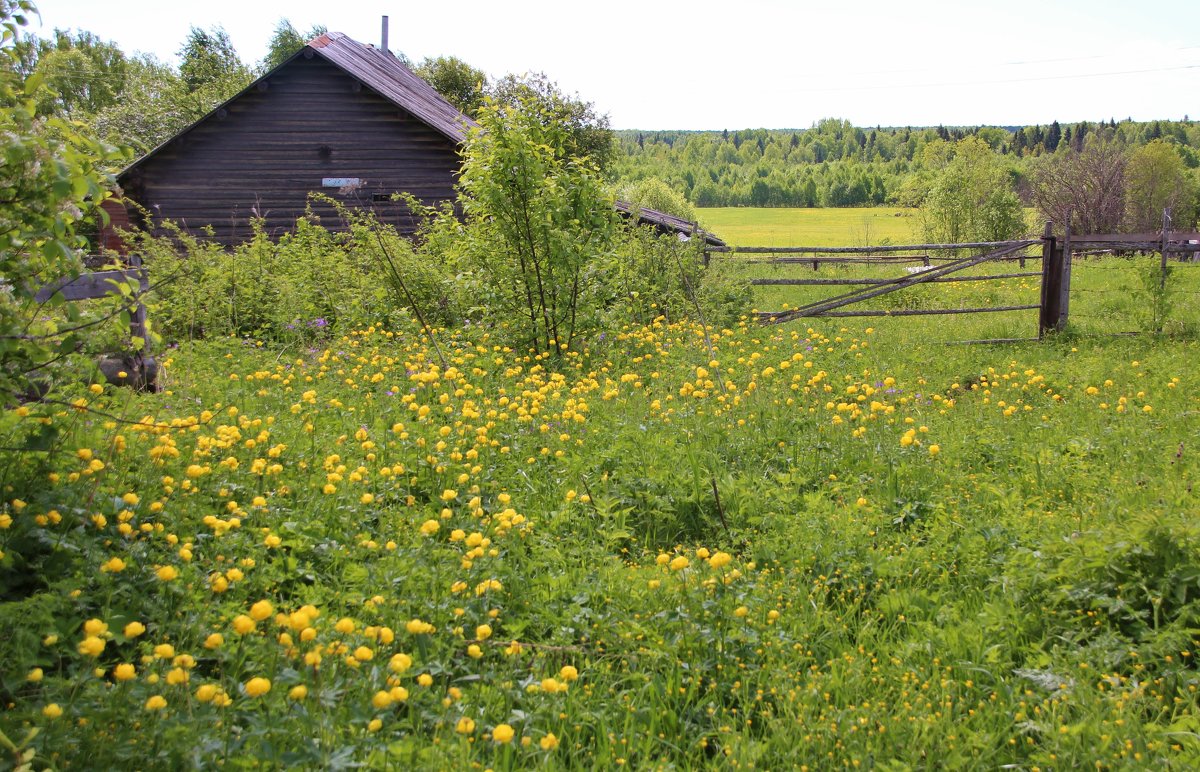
(340, 118)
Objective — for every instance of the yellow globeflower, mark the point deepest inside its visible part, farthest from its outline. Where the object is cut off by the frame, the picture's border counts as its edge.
(719, 559)
(549, 742)
(374, 725)
(257, 687)
(166, 573)
(345, 626)
(381, 700)
(465, 726)
(430, 527)
(568, 673)
(125, 672)
(52, 710)
(214, 641)
(364, 654)
(134, 629)
(157, 702)
(425, 679)
(113, 566)
(92, 646)
(400, 662)
(261, 610)
(206, 692)
(243, 624)
(474, 652)
(164, 651)
(298, 692)
(483, 632)
(34, 675)
(95, 627)
(503, 733)
(679, 563)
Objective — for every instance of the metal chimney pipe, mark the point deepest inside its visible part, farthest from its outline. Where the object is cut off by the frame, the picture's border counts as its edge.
(384, 42)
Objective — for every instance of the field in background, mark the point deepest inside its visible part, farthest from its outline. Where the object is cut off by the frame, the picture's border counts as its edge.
(745, 226)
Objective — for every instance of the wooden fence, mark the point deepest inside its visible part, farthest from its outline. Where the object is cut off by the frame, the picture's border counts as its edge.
(941, 263)
(138, 368)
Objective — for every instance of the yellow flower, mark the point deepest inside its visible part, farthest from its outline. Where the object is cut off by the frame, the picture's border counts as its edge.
(164, 651)
(92, 646)
(417, 627)
(662, 559)
(719, 559)
(679, 563)
(206, 692)
(157, 702)
(568, 673)
(549, 742)
(483, 632)
(465, 726)
(374, 725)
(381, 700)
(52, 710)
(425, 679)
(214, 641)
(364, 654)
(261, 610)
(430, 527)
(125, 672)
(399, 694)
(35, 675)
(741, 611)
(95, 627)
(345, 626)
(243, 624)
(272, 541)
(257, 687)
(113, 565)
(298, 692)
(449, 495)
(166, 573)
(400, 662)
(177, 676)
(934, 450)
(474, 652)
(130, 499)
(134, 629)
(553, 686)
(503, 733)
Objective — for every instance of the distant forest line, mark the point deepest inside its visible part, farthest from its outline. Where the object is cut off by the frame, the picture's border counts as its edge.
(836, 164)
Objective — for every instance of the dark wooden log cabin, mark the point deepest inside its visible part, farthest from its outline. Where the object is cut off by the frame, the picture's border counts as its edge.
(339, 118)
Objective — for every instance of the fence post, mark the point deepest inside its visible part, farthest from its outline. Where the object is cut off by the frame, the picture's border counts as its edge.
(1064, 289)
(1048, 316)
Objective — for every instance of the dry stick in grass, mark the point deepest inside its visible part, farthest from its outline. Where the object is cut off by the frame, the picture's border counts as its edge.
(717, 497)
(408, 295)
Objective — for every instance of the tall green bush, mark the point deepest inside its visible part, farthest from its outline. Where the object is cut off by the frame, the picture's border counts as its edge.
(298, 287)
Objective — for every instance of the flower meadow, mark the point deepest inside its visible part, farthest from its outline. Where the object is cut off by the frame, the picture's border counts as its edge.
(801, 547)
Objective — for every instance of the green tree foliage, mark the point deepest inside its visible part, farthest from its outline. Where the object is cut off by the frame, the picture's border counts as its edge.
(83, 74)
(588, 133)
(208, 60)
(971, 198)
(154, 105)
(51, 177)
(286, 41)
(463, 86)
(653, 193)
(537, 219)
(1156, 178)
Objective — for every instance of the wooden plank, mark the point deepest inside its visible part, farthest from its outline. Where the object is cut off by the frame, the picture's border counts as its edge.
(930, 311)
(93, 285)
(1064, 290)
(875, 250)
(860, 282)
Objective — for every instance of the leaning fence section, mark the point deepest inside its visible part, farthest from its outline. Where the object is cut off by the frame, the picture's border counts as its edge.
(886, 274)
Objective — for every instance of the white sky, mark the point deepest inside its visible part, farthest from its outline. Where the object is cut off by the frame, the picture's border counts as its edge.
(752, 63)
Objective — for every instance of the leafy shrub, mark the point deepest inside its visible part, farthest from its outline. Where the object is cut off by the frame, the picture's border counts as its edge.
(298, 287)
(653, 193)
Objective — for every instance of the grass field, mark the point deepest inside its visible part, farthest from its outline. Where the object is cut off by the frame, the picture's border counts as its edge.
(838, 543)
(745, 226)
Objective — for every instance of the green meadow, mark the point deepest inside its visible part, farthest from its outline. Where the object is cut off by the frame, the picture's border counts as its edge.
(791, 227)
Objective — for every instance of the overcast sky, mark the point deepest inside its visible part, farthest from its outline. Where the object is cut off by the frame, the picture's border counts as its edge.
(752, 63)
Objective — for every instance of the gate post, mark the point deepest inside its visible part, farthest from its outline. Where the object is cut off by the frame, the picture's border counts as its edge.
(1051, 275)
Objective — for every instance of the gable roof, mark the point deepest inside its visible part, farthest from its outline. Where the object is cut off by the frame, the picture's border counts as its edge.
(377, 70)
(386, 75)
